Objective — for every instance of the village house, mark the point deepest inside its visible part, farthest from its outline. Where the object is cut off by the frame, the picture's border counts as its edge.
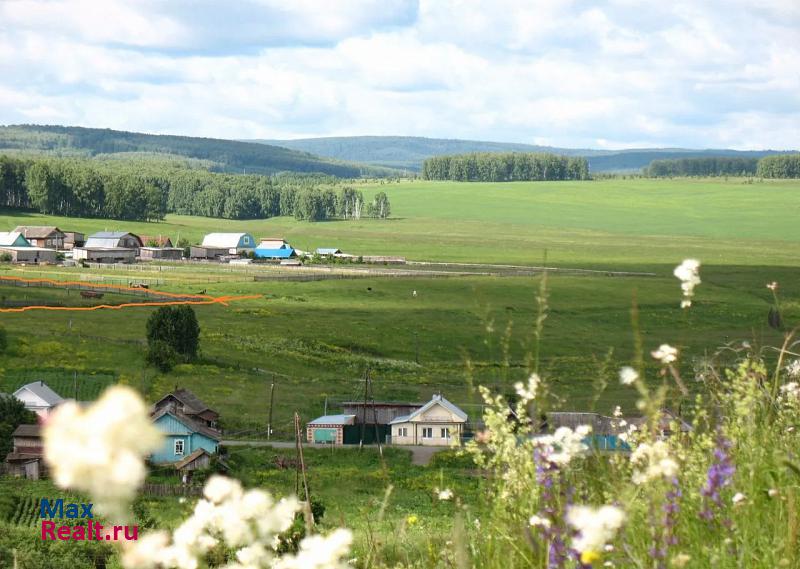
(27, 457)
(438, 422)
(187, 403)
(274, 248)
(15, 245)
(38, 397)
(234, 243)
(329, 429)
(183, 436)
(45, 236)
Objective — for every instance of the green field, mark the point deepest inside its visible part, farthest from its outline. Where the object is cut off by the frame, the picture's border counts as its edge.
(315, 339)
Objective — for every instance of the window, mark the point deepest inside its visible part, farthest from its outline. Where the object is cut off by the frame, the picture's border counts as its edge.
(246, 240)
(427, 433)
(402, 432)
(445, 433)
(178, 446)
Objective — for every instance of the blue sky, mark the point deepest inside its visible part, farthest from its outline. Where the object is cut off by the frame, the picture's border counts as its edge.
(614, 74)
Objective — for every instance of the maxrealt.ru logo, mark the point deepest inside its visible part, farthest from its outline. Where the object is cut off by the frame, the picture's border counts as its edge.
(91, 531)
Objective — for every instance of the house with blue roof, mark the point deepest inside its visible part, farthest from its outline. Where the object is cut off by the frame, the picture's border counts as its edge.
(274, 248)
(183, 436)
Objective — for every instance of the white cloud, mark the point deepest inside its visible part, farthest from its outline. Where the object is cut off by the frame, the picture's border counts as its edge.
(615, 74)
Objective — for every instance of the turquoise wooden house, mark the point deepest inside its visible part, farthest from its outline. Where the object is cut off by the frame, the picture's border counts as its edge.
(182, 437)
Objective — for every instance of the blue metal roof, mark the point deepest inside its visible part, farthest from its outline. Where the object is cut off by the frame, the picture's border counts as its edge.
(274, 253)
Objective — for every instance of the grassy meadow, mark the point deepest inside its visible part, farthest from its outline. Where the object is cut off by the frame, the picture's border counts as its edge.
(315, 339)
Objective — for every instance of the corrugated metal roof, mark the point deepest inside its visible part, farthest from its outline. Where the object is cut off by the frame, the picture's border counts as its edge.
(226, 240)
(328, 251)
(13, 239)
(189, 423)
(108, 235)
(334, 420)
(273, 253)
(43, 391)
(107, 239)
(273, 243)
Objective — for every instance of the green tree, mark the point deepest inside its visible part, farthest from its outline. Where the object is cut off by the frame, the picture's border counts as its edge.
(12, 414)
(172, 333)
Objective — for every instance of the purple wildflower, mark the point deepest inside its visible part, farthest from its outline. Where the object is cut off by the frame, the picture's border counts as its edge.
(719, 475)
(550, 509)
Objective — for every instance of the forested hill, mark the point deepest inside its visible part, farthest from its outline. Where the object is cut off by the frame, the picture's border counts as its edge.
(226, 155)
(409, 152)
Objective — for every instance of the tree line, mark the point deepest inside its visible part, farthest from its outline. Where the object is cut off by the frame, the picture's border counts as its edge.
(505, 167)
(774, 166)
(779, 166)
(145, 190)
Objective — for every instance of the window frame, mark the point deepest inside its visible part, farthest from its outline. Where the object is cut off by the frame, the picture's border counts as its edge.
(175, 447)
(427, 432)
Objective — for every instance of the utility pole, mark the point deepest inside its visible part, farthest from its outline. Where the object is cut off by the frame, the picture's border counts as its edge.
(269, 420)
(416, 347)
(364, 412)
(301, 467)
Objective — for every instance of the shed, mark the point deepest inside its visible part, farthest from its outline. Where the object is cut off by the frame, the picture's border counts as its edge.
(328, 429)
(198, 459)
(201, 252)
(112, 240)
(47, 236)
(232, 242)
(38, 397)
(26, 458)
(156, 253)
(73, 239)
(328, 251)
(33, 255)
(105, 254)
(436, 423)
(182, 436)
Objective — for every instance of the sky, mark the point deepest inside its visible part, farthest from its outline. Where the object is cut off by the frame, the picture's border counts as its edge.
(613, 74)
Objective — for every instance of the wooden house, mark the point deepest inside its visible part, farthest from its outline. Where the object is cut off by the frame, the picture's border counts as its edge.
(26, 460)
(187, 403)
(113, 240)
(44, 236)
(73, 239)
(182, 437)
(156, 241)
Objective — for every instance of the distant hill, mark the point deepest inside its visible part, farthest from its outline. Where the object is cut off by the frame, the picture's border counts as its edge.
(408, 152)
(225, 155)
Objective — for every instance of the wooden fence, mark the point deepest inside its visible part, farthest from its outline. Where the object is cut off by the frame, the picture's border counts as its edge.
(172, 490)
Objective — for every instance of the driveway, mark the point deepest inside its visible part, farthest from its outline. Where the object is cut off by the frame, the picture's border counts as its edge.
(420, 455)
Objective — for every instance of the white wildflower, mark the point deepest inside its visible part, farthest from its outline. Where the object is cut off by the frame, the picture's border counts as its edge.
(791, 390)
(528, 392)
(681, 560)
(652, 461)
(596, 527)
(101, 449)
(665, 353)
(738, 499)
(773, 493)
(617, 412)
(445, 494)
(628, 375)
(538, 521)
(564, 445)
(319, 552)
(793, 369)
(689, 274)
(773, 286)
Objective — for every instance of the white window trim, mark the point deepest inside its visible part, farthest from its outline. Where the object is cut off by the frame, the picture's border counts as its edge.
(182, 445)
(427, 430)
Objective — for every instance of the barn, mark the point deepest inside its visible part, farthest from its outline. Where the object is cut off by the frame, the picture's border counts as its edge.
(113, 240)
(232, 243)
